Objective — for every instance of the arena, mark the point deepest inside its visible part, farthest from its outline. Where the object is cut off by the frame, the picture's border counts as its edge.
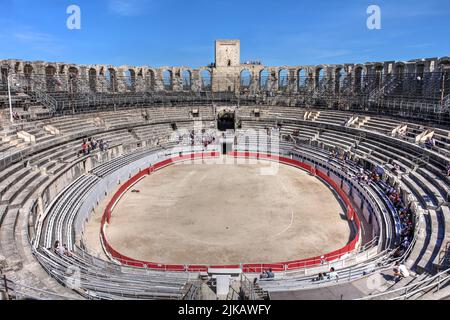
(234, 181)
(224, 214)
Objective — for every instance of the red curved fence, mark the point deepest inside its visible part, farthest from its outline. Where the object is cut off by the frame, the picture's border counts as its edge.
(247, 267)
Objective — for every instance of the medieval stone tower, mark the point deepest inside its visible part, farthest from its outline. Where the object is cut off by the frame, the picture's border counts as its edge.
(227, 65)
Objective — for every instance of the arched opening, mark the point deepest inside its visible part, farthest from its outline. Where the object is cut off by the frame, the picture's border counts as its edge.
(150, 80)
(444, 68)
(283, 79)
(245, 79)
(226, 120)
(399, 74)
(4, 78)
(301, 78)
(50, 80)
(186, 78)
(28, 72)
(168, 80)
(399, 71)
(72, 81)
(420, 71)
(378, 76)
(264, 80)
(93, 80)
(337, 80)
(206, 80)
(112, 79)
(319, 76)
(130, 80)
(358, 79)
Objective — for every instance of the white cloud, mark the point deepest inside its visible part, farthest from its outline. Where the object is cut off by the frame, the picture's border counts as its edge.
(128, 7)
(30, 36)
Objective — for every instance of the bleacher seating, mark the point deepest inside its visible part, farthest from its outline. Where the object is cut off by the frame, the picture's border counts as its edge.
(422, 178)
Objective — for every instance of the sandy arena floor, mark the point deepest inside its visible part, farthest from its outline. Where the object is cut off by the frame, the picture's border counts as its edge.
(220, 214)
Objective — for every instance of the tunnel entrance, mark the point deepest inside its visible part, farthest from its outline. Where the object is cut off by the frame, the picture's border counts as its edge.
(226, 120)
(227, 147)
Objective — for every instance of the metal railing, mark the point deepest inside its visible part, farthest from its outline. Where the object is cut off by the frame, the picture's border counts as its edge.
(16, 291)
(437, 281)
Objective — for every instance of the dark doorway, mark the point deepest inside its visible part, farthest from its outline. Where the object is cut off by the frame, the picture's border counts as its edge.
(225, 121)
(227, 147)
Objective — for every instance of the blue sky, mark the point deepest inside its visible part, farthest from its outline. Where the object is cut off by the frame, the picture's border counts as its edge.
(182, 32)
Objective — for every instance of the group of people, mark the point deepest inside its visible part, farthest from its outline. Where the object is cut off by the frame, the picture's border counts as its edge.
(267, 274)
(332, 275)
(91, 144)
(363, 177)
(61, 249)
(338, 154)
(406, 219)
(204, 138)
(15, 116)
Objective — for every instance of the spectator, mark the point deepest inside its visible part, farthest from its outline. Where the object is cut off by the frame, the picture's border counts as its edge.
(333, 275)
(396, 169)
(448, 169)
(16, 116)
(84, 148)
(59, 249)
(320, 277)
(400, 271)
(55, 246)
(67, 252)
(429, 143)
(263, 275)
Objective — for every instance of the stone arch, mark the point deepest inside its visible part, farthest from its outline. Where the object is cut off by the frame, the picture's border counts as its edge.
(399, 70)
(264, 79)
(338, 78)
(167, 77)
(150, 80)
(140, 85)
(50, 80)
(72, 79)
(93, 79)
(444, 64)
(359, 75)
(283, 78)
(319, 76)
(62, 69)
(186, 80)
(378, 75)
(420, 70)
(301, 78)
(245, 78)
(111, 78)
(444, 70)
(28, 70)
(206, 79)
(130, 80)
(28, 74)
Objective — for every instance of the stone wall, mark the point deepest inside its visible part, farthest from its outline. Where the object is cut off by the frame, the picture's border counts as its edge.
(226, 74)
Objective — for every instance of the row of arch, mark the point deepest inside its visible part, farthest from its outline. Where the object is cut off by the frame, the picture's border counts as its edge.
(262, 78)
(130, 78)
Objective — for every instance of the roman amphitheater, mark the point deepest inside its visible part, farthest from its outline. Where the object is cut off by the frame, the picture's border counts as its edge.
(232, 181)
